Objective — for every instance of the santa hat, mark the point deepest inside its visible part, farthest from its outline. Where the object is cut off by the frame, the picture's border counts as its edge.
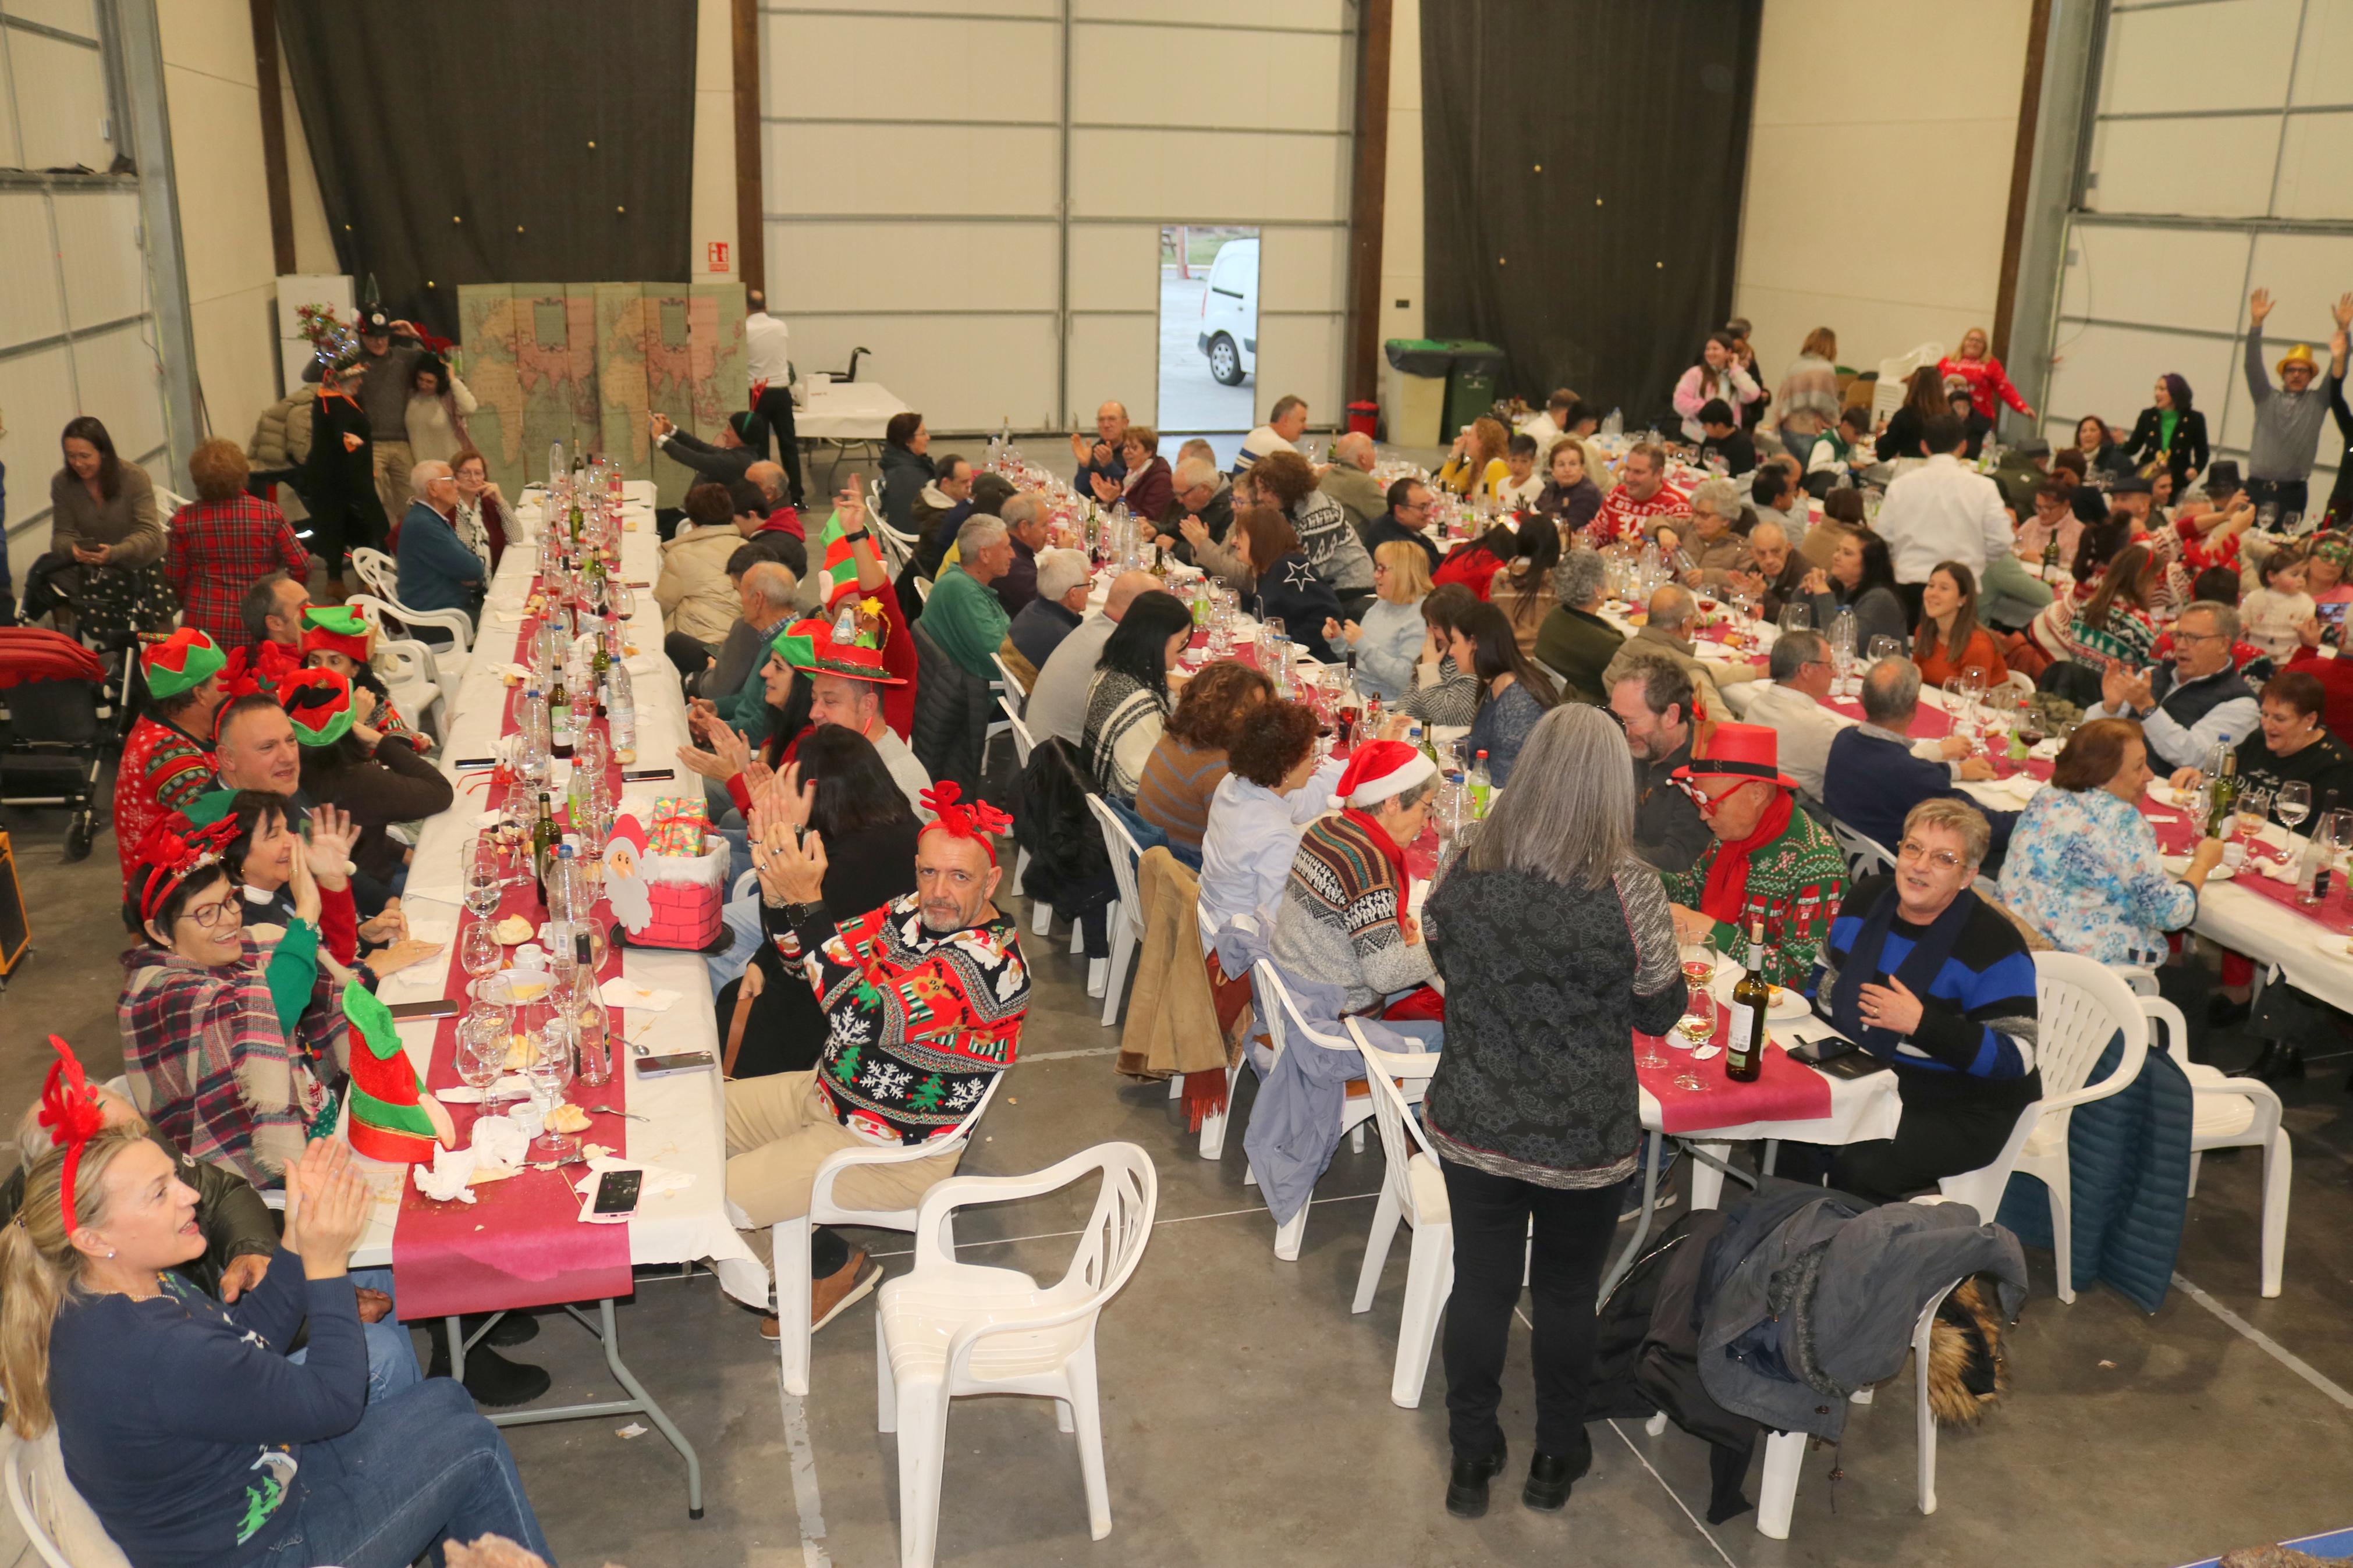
(337, 628)
(1380, 769)
(181, 662)
(319, 701)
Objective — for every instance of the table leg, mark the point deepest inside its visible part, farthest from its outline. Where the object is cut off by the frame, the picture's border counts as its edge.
(639, 1401)
(1619, 1270)
(1707, 1175)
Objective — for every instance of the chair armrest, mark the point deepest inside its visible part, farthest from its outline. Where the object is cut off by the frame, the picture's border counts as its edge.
(841, 1159)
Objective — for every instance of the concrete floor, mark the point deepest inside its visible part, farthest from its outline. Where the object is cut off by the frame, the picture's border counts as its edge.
(1246, 1410)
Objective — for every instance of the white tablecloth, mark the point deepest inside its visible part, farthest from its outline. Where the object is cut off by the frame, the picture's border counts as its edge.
(687, 1129)
(846, 411)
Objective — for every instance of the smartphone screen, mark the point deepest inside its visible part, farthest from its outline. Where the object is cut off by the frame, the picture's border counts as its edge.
(464, 763)
(616, 1192)
(684, 1061)
(439, 1007)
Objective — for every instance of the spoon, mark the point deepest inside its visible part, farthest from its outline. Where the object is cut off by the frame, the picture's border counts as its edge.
(610, 1110)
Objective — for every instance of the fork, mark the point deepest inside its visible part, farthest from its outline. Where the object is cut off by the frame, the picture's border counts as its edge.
(610, 1110)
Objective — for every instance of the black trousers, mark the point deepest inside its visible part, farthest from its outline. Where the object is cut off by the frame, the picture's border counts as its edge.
(1952, 1124)
(775, 411)
(1910, 594)
(692, 656)
(1573, 1230)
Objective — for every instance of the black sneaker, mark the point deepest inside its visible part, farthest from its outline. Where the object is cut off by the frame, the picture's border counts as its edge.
(497, 1383)
(512, 1329)
(1466, 1488)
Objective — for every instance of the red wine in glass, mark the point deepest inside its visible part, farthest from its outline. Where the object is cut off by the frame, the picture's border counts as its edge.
(1348, 716)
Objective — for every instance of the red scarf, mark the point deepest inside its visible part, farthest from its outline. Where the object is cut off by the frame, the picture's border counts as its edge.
(1388, 846)
(1727, 877)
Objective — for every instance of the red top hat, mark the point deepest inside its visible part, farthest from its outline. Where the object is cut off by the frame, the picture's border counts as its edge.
(1740, 751)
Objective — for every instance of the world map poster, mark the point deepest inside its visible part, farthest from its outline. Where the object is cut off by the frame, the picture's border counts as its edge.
(592, 362)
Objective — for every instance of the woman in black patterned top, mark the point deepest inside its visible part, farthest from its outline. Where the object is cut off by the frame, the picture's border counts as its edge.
(1556, 944)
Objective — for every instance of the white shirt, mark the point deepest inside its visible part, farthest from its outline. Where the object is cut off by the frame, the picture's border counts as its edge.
(767, 344)
(1806, 729)
(1544, 433)
(1252, 839)
(910, 775)
(1258, 444)
(1057, 702)
(1943, 511)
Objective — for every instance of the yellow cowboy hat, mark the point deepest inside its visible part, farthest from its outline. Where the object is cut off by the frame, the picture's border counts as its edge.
(2301, 353)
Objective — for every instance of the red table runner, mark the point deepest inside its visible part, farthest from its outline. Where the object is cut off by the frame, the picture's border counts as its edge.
(1785, 1091)
(520, 1243)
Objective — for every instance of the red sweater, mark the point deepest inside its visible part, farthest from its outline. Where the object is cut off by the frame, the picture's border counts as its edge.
(2336, 677)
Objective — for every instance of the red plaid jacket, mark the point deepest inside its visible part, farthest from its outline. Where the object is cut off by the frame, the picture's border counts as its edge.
(218, 548)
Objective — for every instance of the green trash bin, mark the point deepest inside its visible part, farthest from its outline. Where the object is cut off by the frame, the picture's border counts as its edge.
(1471, 383)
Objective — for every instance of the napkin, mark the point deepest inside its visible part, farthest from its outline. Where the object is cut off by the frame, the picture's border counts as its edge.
(644, 663)
(448, 1178)
(502, 1140)
(618, 992)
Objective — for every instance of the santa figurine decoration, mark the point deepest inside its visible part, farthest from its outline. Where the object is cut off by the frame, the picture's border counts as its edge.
(392, 1117)
(625, 882)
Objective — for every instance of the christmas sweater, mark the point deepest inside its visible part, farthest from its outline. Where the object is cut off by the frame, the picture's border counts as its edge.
(163, 769)
(918, 1023)
(1795, 886)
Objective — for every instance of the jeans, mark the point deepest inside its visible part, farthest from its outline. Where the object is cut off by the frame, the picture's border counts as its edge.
(391, 1355)
(741, 916)
(1573, 1231)
(421, 1467)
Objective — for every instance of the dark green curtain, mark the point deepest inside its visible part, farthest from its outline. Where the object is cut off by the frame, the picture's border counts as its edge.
(499, 142)
(1584, 162)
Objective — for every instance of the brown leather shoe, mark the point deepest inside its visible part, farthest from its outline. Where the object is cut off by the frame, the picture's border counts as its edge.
(828, 1296)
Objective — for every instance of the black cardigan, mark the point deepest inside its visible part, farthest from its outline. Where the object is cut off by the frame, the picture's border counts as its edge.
(2188, 454)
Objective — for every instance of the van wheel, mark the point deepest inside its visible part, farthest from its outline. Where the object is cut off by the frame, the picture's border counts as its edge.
(1225, 361)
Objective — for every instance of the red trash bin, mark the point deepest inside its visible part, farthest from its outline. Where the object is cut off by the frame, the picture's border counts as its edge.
(1364, 418)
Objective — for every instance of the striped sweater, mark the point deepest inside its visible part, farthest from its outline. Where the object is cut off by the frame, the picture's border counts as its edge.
(1339, 919)
(1978, 1016)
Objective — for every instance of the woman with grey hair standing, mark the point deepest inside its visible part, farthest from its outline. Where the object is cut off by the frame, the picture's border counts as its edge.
(1556, 943)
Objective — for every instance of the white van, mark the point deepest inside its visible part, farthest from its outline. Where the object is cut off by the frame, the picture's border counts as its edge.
(1230, 313)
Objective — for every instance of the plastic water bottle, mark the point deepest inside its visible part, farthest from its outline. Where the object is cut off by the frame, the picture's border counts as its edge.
(621, 708)
(1615, 424)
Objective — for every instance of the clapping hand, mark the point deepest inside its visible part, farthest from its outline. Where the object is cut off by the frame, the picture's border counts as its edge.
(1105, 490)
(326, 1207)
(328, 847)
(1194, 530)
(1816, 582)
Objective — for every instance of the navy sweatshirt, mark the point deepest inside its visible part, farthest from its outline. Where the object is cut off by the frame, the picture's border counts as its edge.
(180, 1420)
(1872, 783)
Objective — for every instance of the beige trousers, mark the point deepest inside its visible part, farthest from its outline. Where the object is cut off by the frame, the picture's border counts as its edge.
(779, 1132)
(393, 461)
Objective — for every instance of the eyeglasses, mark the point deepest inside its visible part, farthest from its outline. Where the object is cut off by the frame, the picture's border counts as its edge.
(2181, 637)
(214, 916)
(1943, 860)
(1709, 805)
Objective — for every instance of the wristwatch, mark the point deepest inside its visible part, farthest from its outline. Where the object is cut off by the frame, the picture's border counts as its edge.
(797, 915)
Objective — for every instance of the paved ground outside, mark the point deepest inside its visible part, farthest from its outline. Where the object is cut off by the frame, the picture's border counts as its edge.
(1191, 401)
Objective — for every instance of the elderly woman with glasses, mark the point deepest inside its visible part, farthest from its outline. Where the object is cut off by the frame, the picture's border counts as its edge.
(1924, 974)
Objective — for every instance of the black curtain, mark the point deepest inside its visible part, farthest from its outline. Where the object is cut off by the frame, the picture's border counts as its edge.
(499, 142)
(1583, 162)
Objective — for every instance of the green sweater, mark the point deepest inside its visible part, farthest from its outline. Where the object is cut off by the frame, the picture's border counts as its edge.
(967, 620)
(746, 707)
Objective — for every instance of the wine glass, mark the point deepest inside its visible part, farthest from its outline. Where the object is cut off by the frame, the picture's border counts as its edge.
(1797, 617)
(1695, 1028)
(2292, 805)
(1883, 647)
(2253, 808)
(483, 878)
(478, 949)
(550, 1073)
(482, 1046)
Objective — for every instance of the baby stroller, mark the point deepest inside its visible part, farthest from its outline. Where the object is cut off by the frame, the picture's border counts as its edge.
(61, 713)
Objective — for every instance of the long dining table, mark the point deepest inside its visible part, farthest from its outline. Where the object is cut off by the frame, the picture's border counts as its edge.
(520, 1243)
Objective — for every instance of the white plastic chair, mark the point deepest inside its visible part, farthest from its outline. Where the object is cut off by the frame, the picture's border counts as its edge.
(946, 1328)
(1414, 1190)
(41, 1497)
(2080, 1005)
(1863, 855)
(1785, 1452)
(1280, 1015)
(1011, 682)
(1044, 916)
(2233, 1113)
(790, 1239)
(413, 677)
(1887, 395)
(377, 570)
(457, 622)
(1126, 915)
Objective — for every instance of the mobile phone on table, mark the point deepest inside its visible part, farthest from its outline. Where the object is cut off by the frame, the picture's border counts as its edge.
(682, 1061)
(641, 775)
(616, 1193)
(437, 1007)
(462, 764)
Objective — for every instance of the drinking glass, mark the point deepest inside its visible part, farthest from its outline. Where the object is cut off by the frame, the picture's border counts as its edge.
(2253, 808)
(1696, 1027)
(478, 949)
(1883, 647)
(482, 1045)
(483, 875)
(2292, 806)
(550, 1072)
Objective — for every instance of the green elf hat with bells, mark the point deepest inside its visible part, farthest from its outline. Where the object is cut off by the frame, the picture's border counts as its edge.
(181, 662)
(337, 628)
(319, 701)
(850, 646)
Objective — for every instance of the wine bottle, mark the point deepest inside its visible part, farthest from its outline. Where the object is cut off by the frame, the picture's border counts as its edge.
(559, 715)
(543, 844)
(1350, 707)
(1744, 1056)
(2224, 793)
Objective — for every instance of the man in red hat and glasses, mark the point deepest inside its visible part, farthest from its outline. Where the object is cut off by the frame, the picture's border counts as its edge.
(1771, 861)
(924, 1000)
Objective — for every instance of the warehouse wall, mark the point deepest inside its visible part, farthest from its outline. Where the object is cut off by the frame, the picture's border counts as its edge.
(1879, 165)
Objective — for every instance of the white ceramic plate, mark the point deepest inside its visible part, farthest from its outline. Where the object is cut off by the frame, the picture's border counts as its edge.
(1790, 1005)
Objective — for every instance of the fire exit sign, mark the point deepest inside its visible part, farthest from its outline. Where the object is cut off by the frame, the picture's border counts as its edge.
(718, 256)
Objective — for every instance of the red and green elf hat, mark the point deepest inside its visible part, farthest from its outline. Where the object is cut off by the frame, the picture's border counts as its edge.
(390, 1121)
(181, 662)
(814, 646)
(338, 629)
(319, 701)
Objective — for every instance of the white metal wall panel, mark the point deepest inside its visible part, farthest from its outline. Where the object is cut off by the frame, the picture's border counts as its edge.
(2242, 51)
(961, 372)
(891, 170)
(37, 390)
(1169, 176)
(29, 304)
(78, 18)
(2199, 168)
(2111, 277)
(2315, 173)
(1104, 354)
(1256, 15)
(121, 384)
(1115, 267)
(97, 233)
(1257, 81)
(2110, 371)
(1299, 355)
(2323, 58)
(858, 67)
(61, 107)
(847, 266)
